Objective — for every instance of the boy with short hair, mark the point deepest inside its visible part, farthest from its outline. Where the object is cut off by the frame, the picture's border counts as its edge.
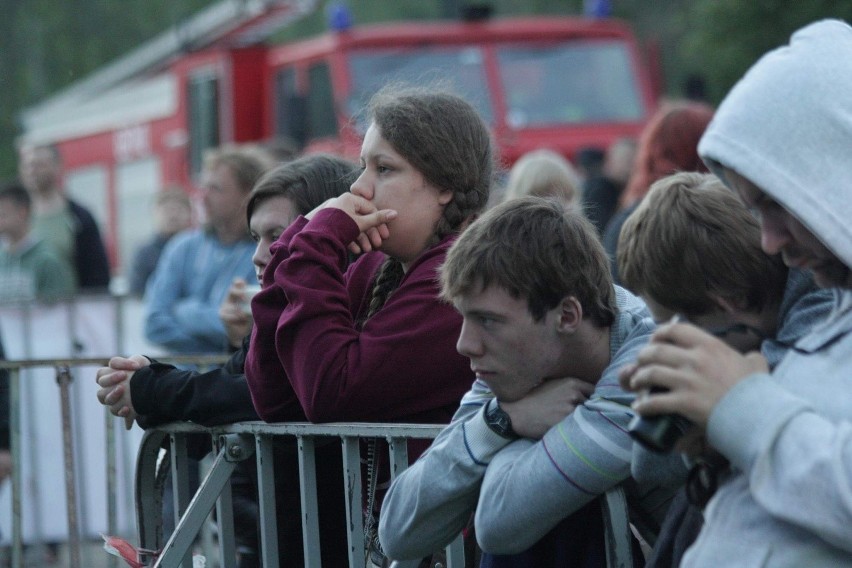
(692, 248)
(544, 328)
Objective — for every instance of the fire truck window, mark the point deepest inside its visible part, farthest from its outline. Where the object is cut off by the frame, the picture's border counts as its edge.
(203, 118)
(572, 82)
(461, 69)
(322, 120)
(290, 116)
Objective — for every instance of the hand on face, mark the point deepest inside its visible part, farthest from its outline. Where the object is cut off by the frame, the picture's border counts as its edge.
(234, 315)
(371, 222)
(695, 369)
(114, 381)
(546, 405)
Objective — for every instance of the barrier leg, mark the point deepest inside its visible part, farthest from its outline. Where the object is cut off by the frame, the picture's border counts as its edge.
(63, 377)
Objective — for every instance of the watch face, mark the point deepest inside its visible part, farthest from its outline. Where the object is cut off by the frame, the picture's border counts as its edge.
(502, 422)
(499, 422)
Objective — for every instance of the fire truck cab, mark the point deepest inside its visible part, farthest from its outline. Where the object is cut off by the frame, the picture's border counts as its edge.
(561, 83)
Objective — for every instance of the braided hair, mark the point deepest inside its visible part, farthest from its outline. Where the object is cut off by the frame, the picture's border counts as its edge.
(443, 137)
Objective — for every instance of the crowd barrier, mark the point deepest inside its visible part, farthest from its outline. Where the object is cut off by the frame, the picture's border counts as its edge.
(249, 440)
(58, 430)
(73, 462)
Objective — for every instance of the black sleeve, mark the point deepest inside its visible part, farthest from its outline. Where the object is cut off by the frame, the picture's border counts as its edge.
(90, 260)
(4, 403)
(161, 393)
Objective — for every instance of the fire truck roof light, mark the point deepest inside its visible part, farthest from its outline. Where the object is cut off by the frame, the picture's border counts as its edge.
(597, 9)
(339, 17)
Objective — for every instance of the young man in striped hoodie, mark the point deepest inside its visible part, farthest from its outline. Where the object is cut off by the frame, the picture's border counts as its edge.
(543, 431)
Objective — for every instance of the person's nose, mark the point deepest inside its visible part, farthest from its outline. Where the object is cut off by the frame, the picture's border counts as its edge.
(468, 343)
(774, 235)
(261, 255)
(362, 186)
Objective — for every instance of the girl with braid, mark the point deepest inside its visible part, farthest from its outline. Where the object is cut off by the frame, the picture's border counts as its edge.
(374, 342)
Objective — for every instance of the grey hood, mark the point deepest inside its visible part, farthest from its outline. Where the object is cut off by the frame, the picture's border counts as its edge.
(787, 127)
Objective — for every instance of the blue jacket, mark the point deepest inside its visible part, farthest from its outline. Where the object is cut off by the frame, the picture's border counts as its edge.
(184, 294)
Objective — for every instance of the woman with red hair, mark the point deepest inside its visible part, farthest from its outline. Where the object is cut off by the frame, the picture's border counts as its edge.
(668, 144)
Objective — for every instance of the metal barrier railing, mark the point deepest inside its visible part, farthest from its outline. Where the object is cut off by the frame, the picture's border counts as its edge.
(237, 442)
(64, 379)
(240, 441)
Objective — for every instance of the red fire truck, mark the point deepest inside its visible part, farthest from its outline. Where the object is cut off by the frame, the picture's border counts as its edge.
(144, 121)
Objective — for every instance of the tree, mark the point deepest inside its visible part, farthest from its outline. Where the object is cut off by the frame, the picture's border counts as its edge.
(47, 45)
(728, 36)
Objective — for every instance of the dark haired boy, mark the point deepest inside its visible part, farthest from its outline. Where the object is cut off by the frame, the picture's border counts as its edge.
(544, 329)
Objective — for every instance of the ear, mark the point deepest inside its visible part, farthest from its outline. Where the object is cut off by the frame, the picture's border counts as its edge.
(570, 314)
(444, 196)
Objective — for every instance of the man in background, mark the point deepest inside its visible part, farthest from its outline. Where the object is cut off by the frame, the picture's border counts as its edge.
(65, 225)
(197, 267)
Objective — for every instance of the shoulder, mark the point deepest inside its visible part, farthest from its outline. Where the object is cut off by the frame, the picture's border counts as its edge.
(427, 264)
(151, 248)
(184, 245)
(633, 324)
(631, 310)
(80, 212)
(188, 238)
(44, 252)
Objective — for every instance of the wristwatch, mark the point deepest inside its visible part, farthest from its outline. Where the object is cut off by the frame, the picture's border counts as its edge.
(499, 421)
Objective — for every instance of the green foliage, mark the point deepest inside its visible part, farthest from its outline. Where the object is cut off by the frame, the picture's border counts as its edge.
(49, 44)
(728, 36)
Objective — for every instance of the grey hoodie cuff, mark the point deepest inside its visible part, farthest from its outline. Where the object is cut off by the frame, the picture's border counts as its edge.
(483, 442)
(748, 419)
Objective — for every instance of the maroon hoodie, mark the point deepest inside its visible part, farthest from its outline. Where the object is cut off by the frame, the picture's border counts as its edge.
(308, 359)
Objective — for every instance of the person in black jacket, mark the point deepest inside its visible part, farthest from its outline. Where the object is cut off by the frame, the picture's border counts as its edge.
(5, 453)
(65, 224)
(152, 393)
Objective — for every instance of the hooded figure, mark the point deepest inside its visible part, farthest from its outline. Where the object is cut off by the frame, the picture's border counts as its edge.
(781, 139)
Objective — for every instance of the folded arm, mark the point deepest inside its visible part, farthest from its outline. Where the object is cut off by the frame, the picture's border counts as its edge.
(430, 503)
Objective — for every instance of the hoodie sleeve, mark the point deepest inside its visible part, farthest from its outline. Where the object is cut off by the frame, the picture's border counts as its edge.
(429, 504)
(341, 371)
(798, 463)
(162, 393)
(529, 487)
(271, 392)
